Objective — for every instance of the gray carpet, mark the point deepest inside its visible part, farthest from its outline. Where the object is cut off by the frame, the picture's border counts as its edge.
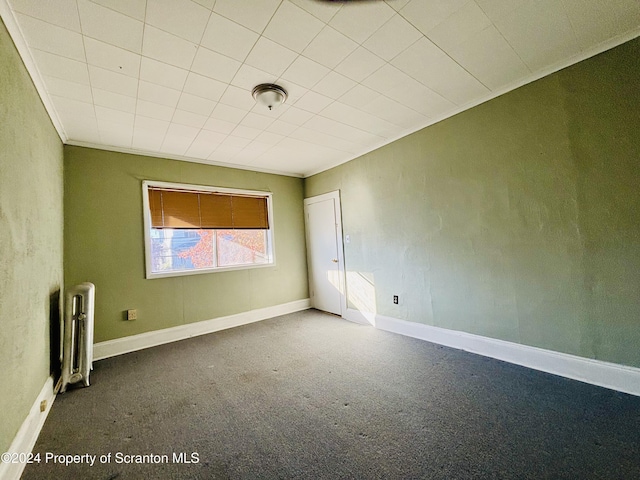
(309, 395)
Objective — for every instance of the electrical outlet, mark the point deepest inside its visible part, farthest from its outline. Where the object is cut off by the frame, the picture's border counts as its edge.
(395, 299)
(132, 314)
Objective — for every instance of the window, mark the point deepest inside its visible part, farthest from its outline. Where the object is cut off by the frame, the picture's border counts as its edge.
(198, 229)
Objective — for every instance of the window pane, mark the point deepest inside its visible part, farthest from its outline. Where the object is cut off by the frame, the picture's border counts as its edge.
(173, 249)
(241, 247)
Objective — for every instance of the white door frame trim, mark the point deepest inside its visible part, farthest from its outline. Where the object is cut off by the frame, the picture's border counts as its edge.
(335, 196)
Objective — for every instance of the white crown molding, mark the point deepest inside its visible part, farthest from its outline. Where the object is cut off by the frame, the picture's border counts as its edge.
(584, 55)
(21, 45)
(133, 151)
(603, 374)
(29, 431)
(132, 343)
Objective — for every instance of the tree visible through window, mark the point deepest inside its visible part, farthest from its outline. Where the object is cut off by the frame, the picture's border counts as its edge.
(231, 229)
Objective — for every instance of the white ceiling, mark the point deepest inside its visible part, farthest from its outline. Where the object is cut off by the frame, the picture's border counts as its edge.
(173, 78)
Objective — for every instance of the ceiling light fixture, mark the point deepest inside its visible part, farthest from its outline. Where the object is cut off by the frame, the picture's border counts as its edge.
(269, 95)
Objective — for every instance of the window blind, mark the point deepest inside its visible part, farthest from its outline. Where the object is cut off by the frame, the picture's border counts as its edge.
(190, 209)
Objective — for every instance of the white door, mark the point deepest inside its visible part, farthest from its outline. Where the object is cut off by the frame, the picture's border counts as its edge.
(324, 253)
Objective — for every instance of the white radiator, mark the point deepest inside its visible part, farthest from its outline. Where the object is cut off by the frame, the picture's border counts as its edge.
(77, 351)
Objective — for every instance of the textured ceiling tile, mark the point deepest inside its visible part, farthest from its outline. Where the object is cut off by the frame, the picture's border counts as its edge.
(281, 127)
(229, 38)
(358, 96)
(495, 71)
(112, 81)
(255, 120)
(334, 85)
(78, 130)
(183, 18)
(330, 47)
(459, 26)
(323, 139)
(340, 130)
(153, 92)
(495, 9)
(426, 15)
(132, 8)
(124, 120)
(182, 117)
(162, 73)
(177, 144)
(167, 48)
(214, 65)
(63, 13)
(243, 131)
(270, 57)
(110, 26)
(67, 89)
(296, 116)
(305, 72)
(202, 147)
(61, 67)
(397, 5)
(159, 127)
(154, 110)
(431, 66)
(113, 100)
(313, 102)
(595, 21)
(236, 142)
(359, 65)
(195, 104)
(112, 136)
(392, 38)
(220, 126)
(112, 58)
(269, 138)
(50, 38)
(238, 97)
(399, 86)
(359, 21)
(73, 108)
(325, 11)
(228, 113)
(540, 33)
(293, 27)
(248, 77)
(204, 87)
(253, 14)
(394, 112)
(145, 140)
(206, 3)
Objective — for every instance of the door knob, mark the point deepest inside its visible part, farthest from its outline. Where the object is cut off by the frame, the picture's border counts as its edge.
(335, 260)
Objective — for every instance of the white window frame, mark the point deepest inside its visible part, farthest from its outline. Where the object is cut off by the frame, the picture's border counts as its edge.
(150, 274)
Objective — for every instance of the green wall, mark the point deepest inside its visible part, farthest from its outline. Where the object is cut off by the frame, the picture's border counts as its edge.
(517, 220)
(104, 244)
(30, 240)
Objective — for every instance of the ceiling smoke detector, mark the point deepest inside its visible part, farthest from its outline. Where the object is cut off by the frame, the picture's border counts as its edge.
(269, 95)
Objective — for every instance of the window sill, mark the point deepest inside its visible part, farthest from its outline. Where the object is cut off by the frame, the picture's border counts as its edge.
(182, 273)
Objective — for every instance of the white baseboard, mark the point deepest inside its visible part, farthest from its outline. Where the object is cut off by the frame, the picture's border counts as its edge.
(357, 316)
(111, 348)
(26, 437)
(604, 374)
